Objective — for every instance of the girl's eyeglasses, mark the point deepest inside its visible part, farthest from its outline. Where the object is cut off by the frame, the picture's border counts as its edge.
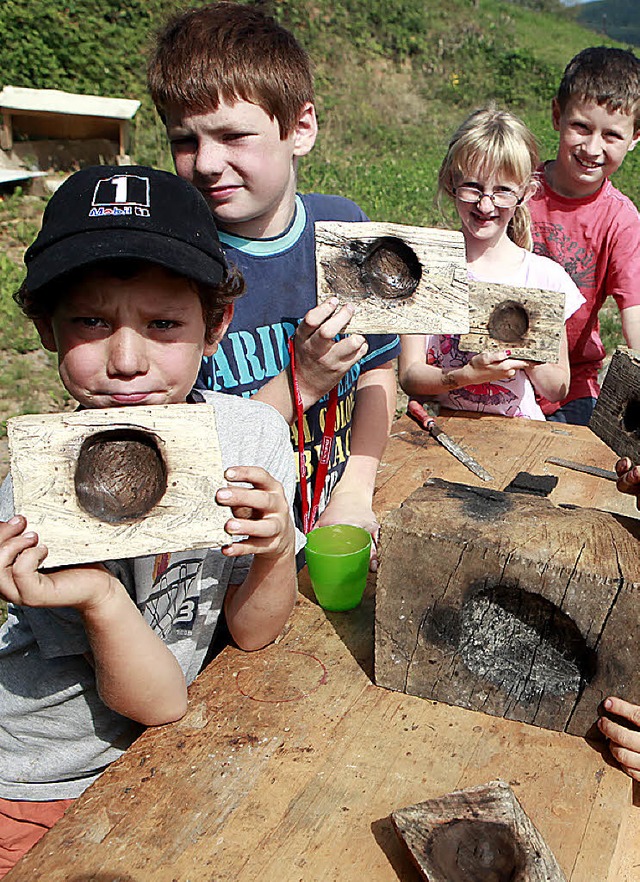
(501, 198)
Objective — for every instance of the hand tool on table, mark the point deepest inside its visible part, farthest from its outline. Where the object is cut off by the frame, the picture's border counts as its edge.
(417, 412)
(580, 467)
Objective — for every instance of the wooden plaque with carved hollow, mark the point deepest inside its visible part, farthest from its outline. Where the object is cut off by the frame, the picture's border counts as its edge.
(526, 321)
(121, 482)
(401, 280)
(616, 417)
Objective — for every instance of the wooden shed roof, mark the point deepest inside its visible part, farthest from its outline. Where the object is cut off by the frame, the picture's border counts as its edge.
(56, 101)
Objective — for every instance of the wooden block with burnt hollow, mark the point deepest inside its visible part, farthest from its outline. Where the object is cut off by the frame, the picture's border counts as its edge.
(526, 321)
(121, 482)
(404, 280)
(507, 604)
(477, 835)
(616, 418)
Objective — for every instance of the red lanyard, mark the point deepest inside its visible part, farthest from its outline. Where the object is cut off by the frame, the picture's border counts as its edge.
(309, 517)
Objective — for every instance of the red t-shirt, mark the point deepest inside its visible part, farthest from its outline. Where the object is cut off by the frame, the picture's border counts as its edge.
(597, 240)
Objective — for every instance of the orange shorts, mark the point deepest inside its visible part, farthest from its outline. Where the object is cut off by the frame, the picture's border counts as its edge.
(22, 824)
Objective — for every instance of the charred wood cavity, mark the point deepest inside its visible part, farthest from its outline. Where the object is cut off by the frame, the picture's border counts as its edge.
(120, 475)
(523, 643)
(388, 267)
(631, 417)
(508, 322)
(477, 851)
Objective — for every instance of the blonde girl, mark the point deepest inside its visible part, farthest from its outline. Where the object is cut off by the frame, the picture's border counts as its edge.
(488, 174)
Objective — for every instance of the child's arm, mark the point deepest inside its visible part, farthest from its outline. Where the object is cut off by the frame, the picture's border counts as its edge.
(136, 674)
(552, 380)
(630, 317)
(321, 361)
(257, 610)
(624, 740)
(352, 498)
(418, 378)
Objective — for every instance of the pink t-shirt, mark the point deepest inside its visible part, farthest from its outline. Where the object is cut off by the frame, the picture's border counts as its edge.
(597, 240)
(514, 397)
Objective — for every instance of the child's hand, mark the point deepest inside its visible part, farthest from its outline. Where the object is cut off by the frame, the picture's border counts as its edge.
(628, 478)
(260, 512)
(22, 583)
(624, 740)
(347, 507)
(321, 361)
(488, 367)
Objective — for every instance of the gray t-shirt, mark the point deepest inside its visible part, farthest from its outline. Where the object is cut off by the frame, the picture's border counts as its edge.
(56, 735)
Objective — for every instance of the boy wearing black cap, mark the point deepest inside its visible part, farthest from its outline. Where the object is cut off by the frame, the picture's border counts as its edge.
(130, 301)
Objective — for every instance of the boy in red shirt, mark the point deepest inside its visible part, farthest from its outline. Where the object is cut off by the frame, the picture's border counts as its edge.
(582, 221)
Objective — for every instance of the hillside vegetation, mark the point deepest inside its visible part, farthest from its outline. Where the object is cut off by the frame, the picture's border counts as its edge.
(394, 78)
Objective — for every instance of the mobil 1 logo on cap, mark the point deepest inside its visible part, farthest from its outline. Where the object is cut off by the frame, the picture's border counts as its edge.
(121, 194)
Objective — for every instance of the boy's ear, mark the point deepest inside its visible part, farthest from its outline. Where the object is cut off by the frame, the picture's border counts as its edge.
(45, 332)
(634, 141)
(556, 113)
(532, 186)
(306, 130)
(220, 331)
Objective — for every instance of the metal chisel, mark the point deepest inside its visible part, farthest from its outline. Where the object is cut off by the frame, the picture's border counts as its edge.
(424, 419)
(579, 467)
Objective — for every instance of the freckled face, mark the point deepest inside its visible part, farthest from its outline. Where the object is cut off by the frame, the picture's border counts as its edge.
(129, 341)
(246, 172)
(593, 143)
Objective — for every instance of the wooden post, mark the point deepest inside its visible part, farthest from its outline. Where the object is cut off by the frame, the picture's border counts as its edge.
(6, 131)
(503, 603)
(120, 482)
(477, 835)
(616, 417)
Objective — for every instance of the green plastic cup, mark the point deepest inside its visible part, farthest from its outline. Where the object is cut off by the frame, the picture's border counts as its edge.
(338, 562)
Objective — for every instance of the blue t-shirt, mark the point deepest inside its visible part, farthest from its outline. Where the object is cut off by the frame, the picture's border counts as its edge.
(280, 276)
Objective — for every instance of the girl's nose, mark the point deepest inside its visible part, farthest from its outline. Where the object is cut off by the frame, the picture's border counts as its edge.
(485, 203)
(127, 354)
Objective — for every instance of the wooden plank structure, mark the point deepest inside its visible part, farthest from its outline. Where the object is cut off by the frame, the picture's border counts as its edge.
(52, 113)
(504, 603)
(616, 417)
(527, 321)
(477, 835)
(404, 280)
(290, 762)
(120, 482)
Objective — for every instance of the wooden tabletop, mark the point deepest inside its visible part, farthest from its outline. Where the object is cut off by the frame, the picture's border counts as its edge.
(290, 761)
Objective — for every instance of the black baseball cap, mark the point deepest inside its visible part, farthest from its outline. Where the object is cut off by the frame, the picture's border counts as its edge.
(105, 212)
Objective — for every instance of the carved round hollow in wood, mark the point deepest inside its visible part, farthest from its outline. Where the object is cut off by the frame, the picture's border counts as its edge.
(508, 322)
(466, 850)
(390, 269)
(120, 475)
(523, 643)
(631, 417)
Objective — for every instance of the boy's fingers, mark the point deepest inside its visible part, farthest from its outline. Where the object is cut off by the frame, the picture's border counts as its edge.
(255, 475)
(317, 316)
(327, 319)
(622, 708)
(623, 466)
(12, 548)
